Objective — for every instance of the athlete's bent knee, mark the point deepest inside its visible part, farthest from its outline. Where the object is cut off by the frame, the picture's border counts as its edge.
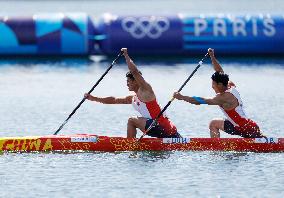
(213, 124)
(132, 120)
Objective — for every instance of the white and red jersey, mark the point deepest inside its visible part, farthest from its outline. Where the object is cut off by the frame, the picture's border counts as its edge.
(151, 110)
(237, 115)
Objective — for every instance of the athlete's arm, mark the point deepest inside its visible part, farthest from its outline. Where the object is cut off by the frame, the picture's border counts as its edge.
(217, 100)
(110, 99)
(135, 72)
(217, 67)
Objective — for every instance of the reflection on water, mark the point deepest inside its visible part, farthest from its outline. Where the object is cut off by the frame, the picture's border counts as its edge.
(165, 61)
(50, 61)
(163, 174)
(228, 156)
(150, 156)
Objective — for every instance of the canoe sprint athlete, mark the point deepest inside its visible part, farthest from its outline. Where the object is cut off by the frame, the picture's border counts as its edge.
(144, 101)
(229, 100)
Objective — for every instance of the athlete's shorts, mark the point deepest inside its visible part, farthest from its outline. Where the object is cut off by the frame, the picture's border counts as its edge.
(158, 131)
(250, 130)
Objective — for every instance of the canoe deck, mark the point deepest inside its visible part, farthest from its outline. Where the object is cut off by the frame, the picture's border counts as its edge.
(88, 142)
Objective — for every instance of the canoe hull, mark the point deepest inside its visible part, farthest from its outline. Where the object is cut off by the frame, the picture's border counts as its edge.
(86, 142)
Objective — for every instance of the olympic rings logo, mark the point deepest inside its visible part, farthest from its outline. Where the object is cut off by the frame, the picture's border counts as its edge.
(153, 26)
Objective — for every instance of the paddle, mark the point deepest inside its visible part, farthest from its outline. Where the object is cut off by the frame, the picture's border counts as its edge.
(168, 104)
(83, 100)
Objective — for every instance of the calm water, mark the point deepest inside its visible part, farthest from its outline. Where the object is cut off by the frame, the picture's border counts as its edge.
(37, 95)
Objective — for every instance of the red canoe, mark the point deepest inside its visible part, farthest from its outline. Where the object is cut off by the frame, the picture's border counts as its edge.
(87, 142)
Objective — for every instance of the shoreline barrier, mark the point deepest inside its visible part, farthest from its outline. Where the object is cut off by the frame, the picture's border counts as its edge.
(46, 34)
(179, 34)
(188, 34)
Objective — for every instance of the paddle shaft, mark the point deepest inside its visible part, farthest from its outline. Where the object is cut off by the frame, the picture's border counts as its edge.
(83, 100)
(169, 103)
